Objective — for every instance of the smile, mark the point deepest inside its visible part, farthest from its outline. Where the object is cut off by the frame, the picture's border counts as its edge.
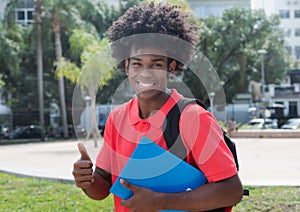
(146, 85)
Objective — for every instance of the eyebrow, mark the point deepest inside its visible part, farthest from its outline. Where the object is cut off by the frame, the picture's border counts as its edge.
(157, 59)
(153, 60)
(135, 58)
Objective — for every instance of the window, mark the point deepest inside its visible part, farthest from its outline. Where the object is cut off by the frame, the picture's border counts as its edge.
(297, 14)
(295, 78)
(284, 14)
(297, 52)
(20, 15)
(205, 11)
(24, 12)
(284, 90)
(24, 16)
(297, 32)
(293, 109)
(30, 15)
(279, 110)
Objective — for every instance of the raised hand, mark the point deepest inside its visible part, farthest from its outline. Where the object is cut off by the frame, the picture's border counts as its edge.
(83, 169)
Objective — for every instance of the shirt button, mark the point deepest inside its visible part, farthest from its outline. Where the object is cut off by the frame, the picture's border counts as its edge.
(144, 127)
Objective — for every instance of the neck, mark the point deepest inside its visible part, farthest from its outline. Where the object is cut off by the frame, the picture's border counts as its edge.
(148, 106)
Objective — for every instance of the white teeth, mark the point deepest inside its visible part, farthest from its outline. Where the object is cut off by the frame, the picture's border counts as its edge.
(146, 84)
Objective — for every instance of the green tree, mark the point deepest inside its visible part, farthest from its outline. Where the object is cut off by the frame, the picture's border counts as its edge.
(102, 16)
(21, 79)
(11, 46)
(63, 17)
(18, 58)
(96, 62)
(231, 43)
(99, 14)
(2, 83)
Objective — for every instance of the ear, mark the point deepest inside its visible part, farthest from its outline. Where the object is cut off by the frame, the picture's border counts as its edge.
(172, 66)
(126, 66)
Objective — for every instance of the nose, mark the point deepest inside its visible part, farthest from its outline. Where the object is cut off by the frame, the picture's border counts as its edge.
(146, 72)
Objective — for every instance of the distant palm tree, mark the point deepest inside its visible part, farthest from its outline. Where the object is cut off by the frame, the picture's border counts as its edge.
(63, 14)
(39, 54)
(61, 86)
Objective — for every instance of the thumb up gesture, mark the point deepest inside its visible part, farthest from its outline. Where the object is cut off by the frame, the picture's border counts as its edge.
(83, 169)
(83, 152)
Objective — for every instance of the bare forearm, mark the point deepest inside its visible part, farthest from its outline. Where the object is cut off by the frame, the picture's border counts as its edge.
(206, 197)
(99, 189)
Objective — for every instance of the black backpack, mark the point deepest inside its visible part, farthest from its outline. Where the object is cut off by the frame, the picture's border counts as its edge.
(173, 138)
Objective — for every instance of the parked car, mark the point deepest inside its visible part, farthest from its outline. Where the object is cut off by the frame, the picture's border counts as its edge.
(260, 123)
(59, 132)
(292, 124)
(27, 132)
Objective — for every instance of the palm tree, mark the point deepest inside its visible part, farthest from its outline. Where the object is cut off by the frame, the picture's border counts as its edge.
(61, 86)
(39, 55)
(62, 14)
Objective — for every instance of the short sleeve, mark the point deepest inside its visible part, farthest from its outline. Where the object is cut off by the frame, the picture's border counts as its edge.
(203, 136)
(104, 155)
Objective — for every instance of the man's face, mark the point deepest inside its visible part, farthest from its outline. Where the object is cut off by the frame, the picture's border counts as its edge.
(147, 70)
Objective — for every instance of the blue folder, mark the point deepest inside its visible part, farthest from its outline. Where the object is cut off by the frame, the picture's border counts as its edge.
(155, 168)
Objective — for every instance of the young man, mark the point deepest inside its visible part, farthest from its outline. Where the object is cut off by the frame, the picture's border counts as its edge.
(148, 68)
(231, 126)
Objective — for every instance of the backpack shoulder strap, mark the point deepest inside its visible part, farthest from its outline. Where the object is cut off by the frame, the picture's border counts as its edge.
(232, 148)
(173, 138)
(171, 127)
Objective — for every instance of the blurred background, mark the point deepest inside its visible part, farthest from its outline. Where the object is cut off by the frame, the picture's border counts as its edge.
(254, 47)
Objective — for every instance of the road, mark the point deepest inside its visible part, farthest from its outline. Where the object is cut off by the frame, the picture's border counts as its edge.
(262, 161)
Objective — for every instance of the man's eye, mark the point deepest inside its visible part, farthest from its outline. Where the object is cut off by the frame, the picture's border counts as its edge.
(136, 64)
(157, 65)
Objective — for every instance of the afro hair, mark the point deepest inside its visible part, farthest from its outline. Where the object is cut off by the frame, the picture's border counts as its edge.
(153, 18)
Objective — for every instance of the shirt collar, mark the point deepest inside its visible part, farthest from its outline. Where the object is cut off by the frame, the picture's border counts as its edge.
(156, 119)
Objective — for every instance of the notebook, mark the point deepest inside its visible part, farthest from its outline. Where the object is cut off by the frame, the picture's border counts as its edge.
(155, 168)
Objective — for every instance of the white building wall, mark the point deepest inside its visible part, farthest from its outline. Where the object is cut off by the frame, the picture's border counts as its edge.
(2, 8)
(205, 8)
(3, 3)
(289, 24)
(115, 3)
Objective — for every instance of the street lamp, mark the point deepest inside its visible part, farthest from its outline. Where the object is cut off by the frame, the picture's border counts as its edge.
(211, 99)
(262, 52)
(87, 116)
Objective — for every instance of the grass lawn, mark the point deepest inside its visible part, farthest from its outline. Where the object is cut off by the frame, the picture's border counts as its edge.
(30, 194)
(271, 199)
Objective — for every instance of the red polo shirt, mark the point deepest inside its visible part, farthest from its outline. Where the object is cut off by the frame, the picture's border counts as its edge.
(199, 130)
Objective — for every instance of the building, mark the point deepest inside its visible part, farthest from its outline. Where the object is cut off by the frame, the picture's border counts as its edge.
(205, 8)
(25, 9)
(23, 12)
(115, 3)
(287, 95)
(2, 8)
(289, 12)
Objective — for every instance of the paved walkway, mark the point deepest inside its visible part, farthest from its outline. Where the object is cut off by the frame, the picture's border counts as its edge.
(262, 161)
